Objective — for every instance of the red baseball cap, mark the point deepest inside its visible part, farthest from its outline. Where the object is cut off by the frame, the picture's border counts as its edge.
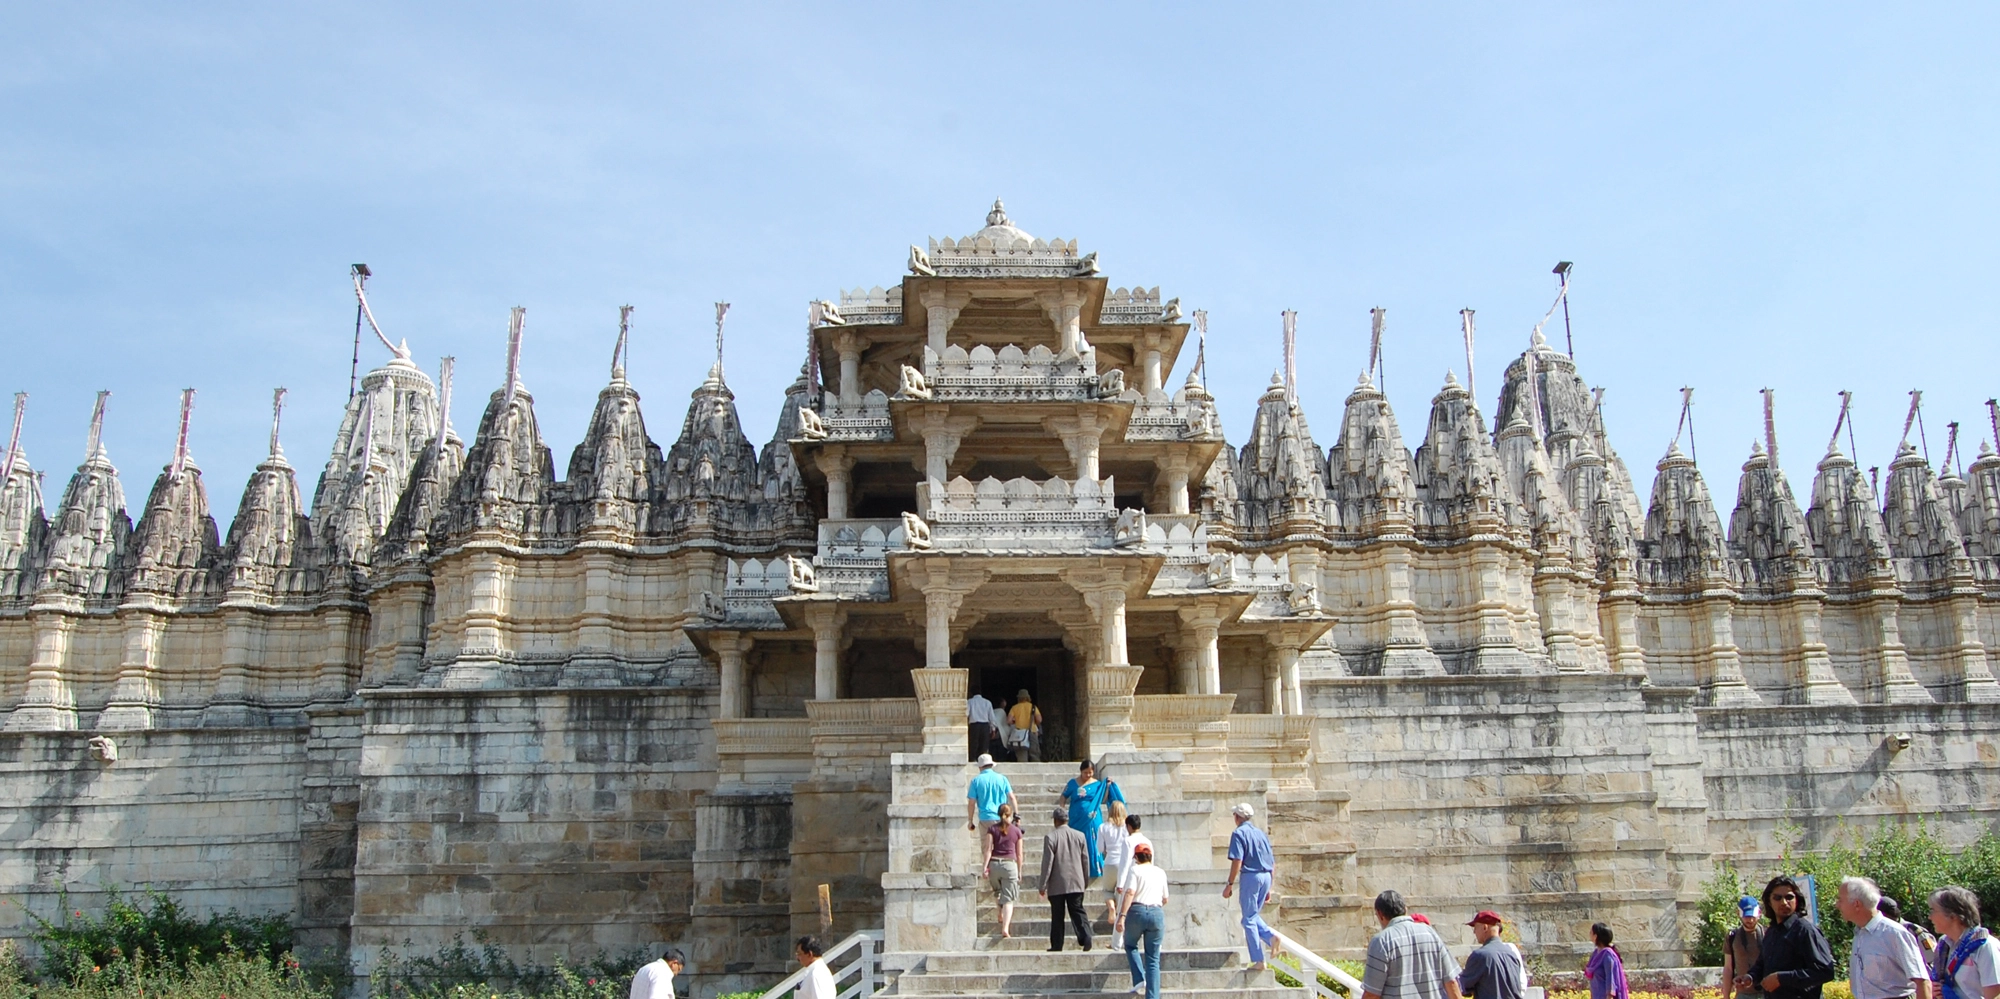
(1486, 916)
(1421, 918)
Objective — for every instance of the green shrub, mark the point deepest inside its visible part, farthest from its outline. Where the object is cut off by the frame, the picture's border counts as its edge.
(228, 975)
(1281, 962)
(1718, 914)
(486, 970)
(153, 930)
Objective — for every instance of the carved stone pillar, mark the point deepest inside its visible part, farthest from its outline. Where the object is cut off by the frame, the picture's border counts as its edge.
(941, 697)
(942, 432)
(838, 466)
(1152, 379)
(1174, 469)
(1187, 665)
(1817, 683)
(941, 309)
(731, 649)
(135, 691)
(1618, 615)
(230, 705)
(1065, 312)
(1204, 623)
(1111, 704)
(1082, 435)
(1552, 604)
(1892, 661)
(1496, 652)
(1725, 684)
(338, 670)
(47, 704)
(1408, 652)
(849, 345)
(826, 621)
(1975, 678)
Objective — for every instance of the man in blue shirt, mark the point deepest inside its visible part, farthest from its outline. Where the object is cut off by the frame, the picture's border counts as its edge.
(1250, 860)
(987, 793)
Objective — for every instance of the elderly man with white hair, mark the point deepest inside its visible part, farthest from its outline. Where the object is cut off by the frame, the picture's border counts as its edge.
(1250, 860)
(1885, 962)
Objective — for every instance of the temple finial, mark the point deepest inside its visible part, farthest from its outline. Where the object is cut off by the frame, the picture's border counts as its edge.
(1291, 318)
(1471, 380)
(721, 310)
(516, 321)
(1378, 317)
(1833, 443)
(998, 216)
(181, 442)
(1201, 346)
(277, 414)
(1771, 428)
(445, 366)
(94, 445)
(14, 439)
(360, 274)
(618, 352)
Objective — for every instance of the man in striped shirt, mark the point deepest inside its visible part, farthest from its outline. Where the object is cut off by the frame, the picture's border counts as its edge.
(1407, 960)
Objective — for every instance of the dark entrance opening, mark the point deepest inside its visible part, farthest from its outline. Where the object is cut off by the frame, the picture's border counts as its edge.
(1000, 669)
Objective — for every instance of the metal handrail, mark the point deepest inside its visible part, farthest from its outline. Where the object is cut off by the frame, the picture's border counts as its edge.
(1311, 966)
(865, 969)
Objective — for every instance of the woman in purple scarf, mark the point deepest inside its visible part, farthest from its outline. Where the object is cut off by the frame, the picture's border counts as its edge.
(1606, 970)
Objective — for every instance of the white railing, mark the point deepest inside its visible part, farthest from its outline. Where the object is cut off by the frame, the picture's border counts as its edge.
(865, 969)
(1311, 966)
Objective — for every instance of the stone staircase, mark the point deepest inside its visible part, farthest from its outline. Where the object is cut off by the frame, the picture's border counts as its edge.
(1013, 974)
(1038, 789)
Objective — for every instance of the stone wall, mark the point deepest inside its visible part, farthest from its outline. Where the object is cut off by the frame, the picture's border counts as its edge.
(555, 822)
(1824, 768)
(1536, 796)
(212, 815)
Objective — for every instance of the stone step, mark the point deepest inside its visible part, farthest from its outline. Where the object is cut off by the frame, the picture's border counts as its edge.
(981, 962)
(1034, 982)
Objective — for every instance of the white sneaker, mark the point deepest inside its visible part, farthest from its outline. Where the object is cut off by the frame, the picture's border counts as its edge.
(1138, 990)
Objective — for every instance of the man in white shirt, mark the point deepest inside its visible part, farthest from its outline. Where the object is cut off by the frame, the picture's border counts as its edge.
(1884, 963)
(819, 979)
(656, 980)
(978, 726)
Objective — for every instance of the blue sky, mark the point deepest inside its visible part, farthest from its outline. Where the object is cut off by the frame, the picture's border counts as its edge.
(1799, 197)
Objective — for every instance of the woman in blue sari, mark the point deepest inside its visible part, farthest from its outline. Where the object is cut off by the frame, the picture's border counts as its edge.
(1087, 797)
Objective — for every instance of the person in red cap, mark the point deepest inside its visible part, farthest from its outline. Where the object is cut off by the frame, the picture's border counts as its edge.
(1493, 970)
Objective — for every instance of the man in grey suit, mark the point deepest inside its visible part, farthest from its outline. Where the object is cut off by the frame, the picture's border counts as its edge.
(1065, 871)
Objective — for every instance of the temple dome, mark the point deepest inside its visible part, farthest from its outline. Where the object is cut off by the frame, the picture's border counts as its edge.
(999, 228)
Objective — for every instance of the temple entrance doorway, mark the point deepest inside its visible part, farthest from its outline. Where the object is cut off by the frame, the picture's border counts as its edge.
(1000, 669)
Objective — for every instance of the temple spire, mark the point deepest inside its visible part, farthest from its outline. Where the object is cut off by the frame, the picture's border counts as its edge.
(1201, 346)
(721, 310)
(445, 366)
(277, 414)
(14, 439)
(1771, 429)
(1471, 379)
(94, 445)
(516, 319)
(181, 442)
(1291, 317)
(618, 352)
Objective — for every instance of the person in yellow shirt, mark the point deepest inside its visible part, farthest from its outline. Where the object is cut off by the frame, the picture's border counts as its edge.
(1026, 720)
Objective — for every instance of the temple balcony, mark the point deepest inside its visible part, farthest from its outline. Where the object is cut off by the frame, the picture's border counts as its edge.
(1163, 419)
(857, 420)
(1010, 374)
(1022, 515)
